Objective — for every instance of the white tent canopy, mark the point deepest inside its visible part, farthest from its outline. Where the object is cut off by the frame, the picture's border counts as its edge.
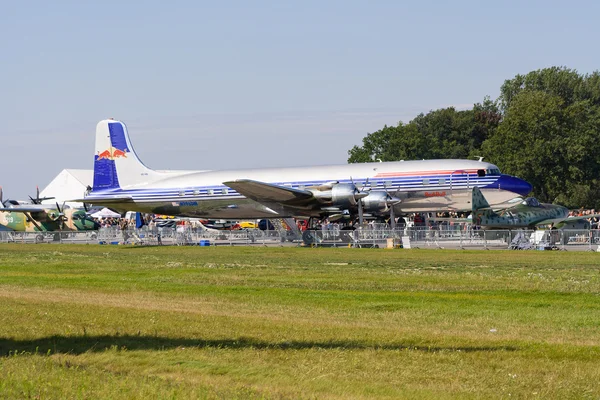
(105, 213)
(67, 185)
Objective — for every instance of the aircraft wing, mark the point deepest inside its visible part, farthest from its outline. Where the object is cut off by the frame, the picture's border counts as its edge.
(572, 219)
(268, 193)
(29, 208)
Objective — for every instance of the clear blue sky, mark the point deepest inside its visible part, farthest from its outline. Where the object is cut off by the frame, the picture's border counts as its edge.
(214, 85)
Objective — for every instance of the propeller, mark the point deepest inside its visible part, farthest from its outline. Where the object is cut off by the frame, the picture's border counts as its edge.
(37, 199)
(391, 201)
(359, 194)
(365, 187)
(61, 216)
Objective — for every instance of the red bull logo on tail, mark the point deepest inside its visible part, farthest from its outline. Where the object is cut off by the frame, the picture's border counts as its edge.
(111, 154)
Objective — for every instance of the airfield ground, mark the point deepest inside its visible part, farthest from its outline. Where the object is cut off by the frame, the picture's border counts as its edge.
(88, 321)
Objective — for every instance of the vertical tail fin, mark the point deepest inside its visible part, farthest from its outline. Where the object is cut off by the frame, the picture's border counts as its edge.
(115, 163)
(478, 201)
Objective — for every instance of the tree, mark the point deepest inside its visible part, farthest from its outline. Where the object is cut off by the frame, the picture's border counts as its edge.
(529, 142)
(443, 133)
(550, 134)
(544, 127)
(375, 146)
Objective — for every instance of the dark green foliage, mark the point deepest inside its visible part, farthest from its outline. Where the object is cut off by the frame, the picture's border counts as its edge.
(444, 133)
(544, 127)
(550, 135)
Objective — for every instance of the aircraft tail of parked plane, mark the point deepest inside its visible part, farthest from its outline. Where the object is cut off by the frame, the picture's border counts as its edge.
(123, 182)
(478, 202)
(116, 164)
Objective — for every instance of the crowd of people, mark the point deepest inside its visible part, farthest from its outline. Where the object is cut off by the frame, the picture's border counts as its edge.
(592, 217)
(448, 220)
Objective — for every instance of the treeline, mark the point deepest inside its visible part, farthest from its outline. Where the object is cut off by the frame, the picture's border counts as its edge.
(544, 127)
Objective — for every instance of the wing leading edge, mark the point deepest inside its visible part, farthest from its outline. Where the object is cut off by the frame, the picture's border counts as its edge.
(262, 192)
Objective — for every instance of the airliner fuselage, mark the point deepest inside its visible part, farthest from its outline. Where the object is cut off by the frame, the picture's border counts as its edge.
(122, 182)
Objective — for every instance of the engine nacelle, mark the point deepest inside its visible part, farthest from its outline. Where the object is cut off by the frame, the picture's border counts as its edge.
(340, 195)
(376, 202)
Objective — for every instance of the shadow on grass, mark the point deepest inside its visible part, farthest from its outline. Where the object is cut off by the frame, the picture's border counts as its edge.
(82, 344)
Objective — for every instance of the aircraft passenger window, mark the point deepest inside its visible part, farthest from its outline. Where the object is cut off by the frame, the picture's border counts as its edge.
(196, 192)
(224, 190)
(301, 187)
(442, 182)
(373, 184)
(210, 192)
(481, 173)
(387, 184)
(182, 193)
(425, 182)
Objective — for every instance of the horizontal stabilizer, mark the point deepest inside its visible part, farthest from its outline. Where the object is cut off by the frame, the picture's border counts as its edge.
(104, 200)
(267, 192)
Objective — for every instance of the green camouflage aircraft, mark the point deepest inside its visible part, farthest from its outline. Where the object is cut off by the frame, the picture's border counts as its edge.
(37, 217)
(528, 213)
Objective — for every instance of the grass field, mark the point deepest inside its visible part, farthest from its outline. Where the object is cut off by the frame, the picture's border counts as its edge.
(86, 321)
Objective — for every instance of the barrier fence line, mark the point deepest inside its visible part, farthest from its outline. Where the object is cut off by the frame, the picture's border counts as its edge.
(367, 236)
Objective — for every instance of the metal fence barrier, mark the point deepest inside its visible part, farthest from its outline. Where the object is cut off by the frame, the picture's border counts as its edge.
(367, 236)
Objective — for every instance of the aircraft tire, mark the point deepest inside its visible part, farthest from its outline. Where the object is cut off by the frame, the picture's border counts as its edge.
(311, 236)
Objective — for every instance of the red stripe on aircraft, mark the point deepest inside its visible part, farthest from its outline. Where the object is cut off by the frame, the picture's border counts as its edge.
(421, 173)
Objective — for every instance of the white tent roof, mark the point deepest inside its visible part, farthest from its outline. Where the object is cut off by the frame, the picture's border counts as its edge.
(105, 213)
(69, 184)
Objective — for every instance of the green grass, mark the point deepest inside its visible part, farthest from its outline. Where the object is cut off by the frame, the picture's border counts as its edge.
(86, 321)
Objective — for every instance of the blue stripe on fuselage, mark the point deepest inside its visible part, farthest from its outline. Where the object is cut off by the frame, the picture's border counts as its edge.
(404, 183)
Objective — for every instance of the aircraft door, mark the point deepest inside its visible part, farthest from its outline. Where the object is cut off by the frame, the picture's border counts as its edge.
(460, 188)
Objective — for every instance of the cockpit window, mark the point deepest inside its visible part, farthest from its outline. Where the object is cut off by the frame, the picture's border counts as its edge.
(493, 171)
(532, 202)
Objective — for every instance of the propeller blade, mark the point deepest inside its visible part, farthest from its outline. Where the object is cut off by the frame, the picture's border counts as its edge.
(366, 187)
(361, 218)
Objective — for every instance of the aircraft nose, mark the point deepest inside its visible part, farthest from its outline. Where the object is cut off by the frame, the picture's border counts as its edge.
(513, 184)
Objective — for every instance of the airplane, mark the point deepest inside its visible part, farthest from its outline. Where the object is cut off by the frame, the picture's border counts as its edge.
(528, 213)
(36, 217)
(122, 182)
